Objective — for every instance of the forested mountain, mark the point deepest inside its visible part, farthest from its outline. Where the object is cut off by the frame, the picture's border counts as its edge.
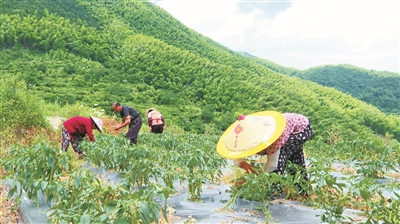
(97, 52)
(381, 89)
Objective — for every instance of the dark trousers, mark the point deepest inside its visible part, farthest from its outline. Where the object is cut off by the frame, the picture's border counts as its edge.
(157, 128)
(292, 151)
(134, 128)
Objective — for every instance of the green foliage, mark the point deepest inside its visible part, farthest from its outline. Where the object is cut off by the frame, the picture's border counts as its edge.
(143, 57)
(81, 198)
(335, 193)
(87, 199)
(20, 107)
(167, 157)
(68, 9)
(259, 187)
(36, 168)
(146, 66)
(161, 160)
(377, 88)
(369, 161)
(385, 211)
(50, 32)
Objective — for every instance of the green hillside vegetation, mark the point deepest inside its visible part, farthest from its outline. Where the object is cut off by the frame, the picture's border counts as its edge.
(381, 89)
(275, 67)
(136, 53)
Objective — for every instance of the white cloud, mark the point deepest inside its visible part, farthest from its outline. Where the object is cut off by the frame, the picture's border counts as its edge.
(307, 33)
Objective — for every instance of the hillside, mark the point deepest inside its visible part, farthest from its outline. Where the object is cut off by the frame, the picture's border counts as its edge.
(138, 54)
(381, 89)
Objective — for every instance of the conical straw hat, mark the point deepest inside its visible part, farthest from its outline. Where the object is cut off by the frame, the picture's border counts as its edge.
(98, 122)
(251, 134)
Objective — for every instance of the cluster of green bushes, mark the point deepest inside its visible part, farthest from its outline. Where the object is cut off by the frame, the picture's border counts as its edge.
(19, 112)
(76, 195)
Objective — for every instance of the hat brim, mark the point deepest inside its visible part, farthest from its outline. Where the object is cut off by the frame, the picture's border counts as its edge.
(280, 126)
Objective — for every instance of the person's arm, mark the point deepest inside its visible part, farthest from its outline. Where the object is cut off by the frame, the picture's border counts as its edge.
(272, 162)
(124, 122)
(89, 131)
(247, 167)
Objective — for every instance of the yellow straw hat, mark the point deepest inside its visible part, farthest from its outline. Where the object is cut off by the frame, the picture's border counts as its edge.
(251, 134)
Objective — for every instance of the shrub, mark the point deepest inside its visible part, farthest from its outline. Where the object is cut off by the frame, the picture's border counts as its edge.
(20, 107)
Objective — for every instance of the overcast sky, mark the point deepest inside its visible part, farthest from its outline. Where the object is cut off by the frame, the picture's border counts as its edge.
(302, 33)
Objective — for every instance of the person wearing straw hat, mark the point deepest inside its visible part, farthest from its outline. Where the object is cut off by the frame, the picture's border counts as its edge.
(76, 128)
(129, 117)
(155, 121)
(278, 136)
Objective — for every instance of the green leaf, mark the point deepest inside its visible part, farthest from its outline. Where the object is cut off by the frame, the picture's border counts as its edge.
(77, 181)
(85, 219)
(110, 205)
(51, 162)
(365, 194)
(122, 220)
(145, 213)
(103, 217)
(85, 206)
(43, 185)
(11, 192)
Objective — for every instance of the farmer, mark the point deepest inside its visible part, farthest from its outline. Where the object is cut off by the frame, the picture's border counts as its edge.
(75, 129)
(129, 117)
(287, 146)
(155, 121)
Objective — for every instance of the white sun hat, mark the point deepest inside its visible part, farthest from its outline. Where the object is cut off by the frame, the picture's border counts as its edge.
(98, 122)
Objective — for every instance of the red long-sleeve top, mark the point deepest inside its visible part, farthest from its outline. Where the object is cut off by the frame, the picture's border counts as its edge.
(79, 126)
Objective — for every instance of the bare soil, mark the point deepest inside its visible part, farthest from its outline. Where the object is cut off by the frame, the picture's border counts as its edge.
(8, 209)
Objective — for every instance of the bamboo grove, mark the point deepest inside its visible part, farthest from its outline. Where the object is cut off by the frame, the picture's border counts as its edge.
(67, 60)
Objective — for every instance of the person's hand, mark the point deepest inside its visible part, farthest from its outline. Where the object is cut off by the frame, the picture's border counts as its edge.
(239, 184)
(247, 167)
(116, 128)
